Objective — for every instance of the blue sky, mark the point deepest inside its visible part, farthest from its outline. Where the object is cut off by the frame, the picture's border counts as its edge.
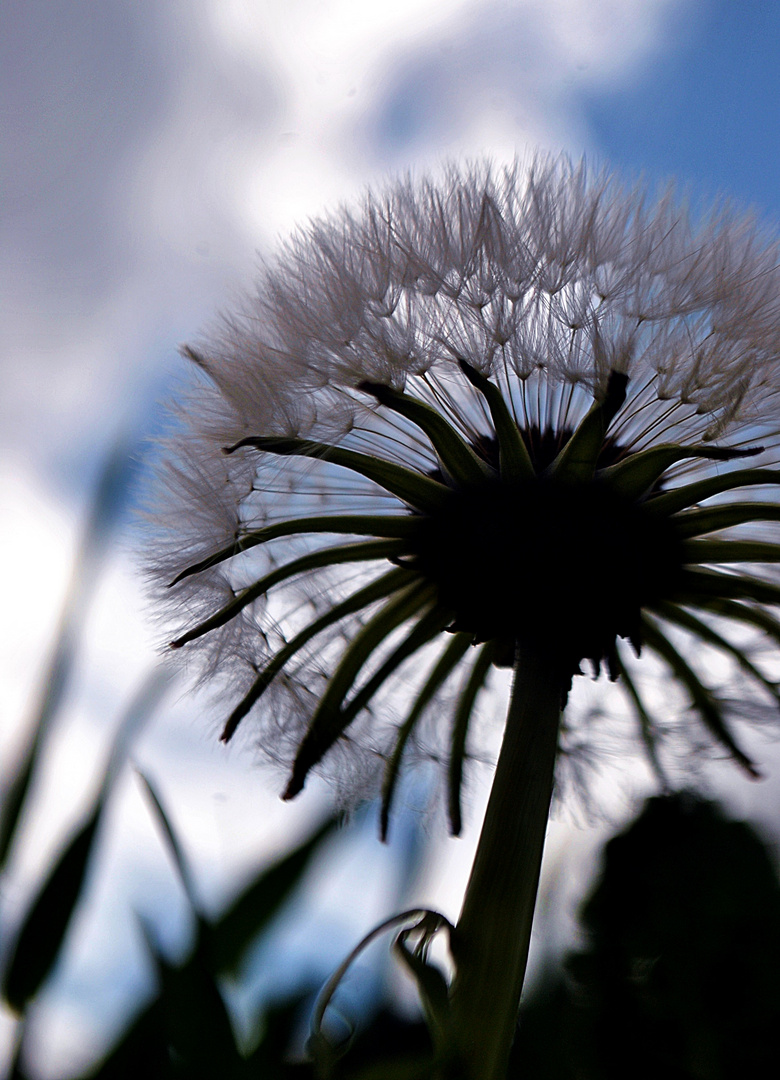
(707, 111)
(150, 151)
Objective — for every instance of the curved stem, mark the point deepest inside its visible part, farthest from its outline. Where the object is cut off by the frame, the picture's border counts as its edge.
(490, 943)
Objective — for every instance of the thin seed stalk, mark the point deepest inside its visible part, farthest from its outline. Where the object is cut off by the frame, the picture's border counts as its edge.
(490, 944)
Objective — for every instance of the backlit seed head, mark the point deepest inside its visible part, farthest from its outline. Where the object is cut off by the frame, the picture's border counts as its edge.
(502, 410)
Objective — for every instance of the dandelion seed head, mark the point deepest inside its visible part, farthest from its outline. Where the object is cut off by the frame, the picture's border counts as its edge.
(482, 365)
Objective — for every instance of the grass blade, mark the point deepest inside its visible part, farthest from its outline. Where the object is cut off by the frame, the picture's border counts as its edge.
(234, 932)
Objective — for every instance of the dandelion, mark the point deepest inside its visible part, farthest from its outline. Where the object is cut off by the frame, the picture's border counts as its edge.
(511, 419)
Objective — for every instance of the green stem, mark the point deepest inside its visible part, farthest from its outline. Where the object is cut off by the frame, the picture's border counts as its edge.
(490, 944)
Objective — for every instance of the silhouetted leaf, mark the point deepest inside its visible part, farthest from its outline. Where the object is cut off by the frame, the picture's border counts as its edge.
(234, 932)
(44, 928)
(431, 983)
(142, 1049)
(106, 504)
(197, 1024)
(279, 1022)
(173, 845)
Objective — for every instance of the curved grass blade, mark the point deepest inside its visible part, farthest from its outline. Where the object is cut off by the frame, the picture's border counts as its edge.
(702, 699)
(15, 792)
(431, 983)
(43, 931)
(425, 921)
(174, 847)
(514, 460)
(326, 725)
(460, 724)
(680, 498)
(688, 621)
(729, 551)
(447, 662)
(196, 1020)
(635, 475)
(456, 456)
(379, 525)
(191, 1002)
(366, 551)
(235, 931)
(646, 723)
(377, 590)
(106, 506)
(45, 925)
(576, 463)
(418, 491)
(712, 519)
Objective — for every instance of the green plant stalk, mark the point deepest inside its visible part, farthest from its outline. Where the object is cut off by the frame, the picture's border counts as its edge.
(491, 940)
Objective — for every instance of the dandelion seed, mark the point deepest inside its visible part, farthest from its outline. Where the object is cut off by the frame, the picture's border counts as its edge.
(510, 419)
